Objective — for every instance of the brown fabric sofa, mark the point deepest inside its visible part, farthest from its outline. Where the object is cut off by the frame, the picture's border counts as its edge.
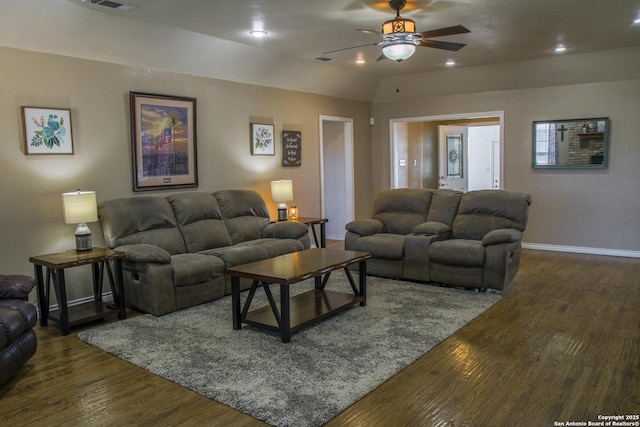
(178, 246)
(18, 316)
(462, 239)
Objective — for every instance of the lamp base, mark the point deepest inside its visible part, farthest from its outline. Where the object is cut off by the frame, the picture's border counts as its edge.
(83, 238)
(282, 212)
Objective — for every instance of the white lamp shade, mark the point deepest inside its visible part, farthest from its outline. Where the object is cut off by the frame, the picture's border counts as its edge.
(79, 207)
(282, 190)
(399, 52)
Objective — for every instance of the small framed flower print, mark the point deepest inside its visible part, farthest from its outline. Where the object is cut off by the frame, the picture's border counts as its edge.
(262, 140)
(47, 130)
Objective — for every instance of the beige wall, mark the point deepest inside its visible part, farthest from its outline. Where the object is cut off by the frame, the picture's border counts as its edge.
(578, 208)
(97, 94)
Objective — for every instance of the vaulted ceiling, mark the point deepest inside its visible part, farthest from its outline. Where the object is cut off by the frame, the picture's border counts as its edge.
(208, 37)
(501, 30)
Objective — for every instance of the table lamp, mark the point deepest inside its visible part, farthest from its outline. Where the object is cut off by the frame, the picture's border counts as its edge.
(80, 208)
(282, 191)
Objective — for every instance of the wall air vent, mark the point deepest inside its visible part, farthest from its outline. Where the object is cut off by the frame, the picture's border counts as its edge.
(323, 59)
(122, 7)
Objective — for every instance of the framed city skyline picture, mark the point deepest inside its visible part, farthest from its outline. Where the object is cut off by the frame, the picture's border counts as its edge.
(163, 141)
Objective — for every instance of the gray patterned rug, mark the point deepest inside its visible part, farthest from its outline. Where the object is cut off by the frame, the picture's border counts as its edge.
(322, 371)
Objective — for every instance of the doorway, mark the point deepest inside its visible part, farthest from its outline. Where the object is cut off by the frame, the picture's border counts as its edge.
(418, 161)
(337, 178)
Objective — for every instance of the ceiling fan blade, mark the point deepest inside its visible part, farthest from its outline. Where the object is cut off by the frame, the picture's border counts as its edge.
(352, 47)
(368, 31)
(454, 47)
(381, 58)
(449, 31)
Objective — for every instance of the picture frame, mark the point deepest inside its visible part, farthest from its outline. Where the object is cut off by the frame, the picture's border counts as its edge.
(163, 141)
(47, 130)
(581, 143)
(262, 140)
(291, 148)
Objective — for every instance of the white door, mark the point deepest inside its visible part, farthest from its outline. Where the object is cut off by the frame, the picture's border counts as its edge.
(452, 157)
(336, 169)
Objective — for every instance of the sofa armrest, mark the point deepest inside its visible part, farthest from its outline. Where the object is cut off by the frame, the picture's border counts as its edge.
(143, 253)
(366, 227)
(285, 230)
(503, 235)
(432, 228)
(15, 286)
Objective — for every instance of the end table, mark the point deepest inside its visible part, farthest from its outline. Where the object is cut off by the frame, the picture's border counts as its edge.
(311, 222)
(56, 264)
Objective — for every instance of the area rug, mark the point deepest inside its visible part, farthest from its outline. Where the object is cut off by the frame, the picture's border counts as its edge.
(323, 370)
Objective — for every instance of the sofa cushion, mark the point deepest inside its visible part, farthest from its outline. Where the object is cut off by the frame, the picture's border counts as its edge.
(238, 254)
(129, 222)
(246, 228)
(383, 246)
(457, 252)
(192, 269)
(444, 205)
(402, 209)
(276, 247)
(200, 220)
(483, 211)
(245, 214)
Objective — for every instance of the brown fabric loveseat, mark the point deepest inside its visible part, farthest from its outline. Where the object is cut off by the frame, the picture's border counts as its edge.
(178, 247)
(468, 239)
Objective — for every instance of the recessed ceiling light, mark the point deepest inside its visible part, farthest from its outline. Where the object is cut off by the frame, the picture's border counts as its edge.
(560, 48)
(360, 61)
(258, 33)
(451, 62)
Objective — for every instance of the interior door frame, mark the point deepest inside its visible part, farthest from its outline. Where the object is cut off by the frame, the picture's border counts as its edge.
(349, 173)
(460, 116)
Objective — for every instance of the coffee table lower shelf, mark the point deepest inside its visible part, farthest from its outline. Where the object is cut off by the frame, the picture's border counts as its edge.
(304, 309)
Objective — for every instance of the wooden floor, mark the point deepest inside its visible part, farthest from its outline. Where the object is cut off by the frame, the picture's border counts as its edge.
(562, 345)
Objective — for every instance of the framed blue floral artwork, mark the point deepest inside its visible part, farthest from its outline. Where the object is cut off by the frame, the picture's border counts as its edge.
(47, 130)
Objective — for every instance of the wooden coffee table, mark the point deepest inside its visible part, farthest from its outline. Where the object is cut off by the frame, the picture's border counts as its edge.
(299, 311)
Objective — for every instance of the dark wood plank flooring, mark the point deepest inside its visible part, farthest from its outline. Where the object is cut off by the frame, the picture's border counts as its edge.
(562, 345)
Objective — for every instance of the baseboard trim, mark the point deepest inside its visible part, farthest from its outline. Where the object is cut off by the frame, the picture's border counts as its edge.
(582, 250)
(335, 236)
(106, 297)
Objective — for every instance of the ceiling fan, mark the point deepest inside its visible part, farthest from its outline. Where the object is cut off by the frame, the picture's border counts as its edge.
(399, 36)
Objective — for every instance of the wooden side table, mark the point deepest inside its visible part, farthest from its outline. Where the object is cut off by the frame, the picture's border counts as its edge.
(56, 264)
(311, 222)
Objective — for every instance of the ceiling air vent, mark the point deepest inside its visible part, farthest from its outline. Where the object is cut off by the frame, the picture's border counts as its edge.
(323, 59)
(122, 7)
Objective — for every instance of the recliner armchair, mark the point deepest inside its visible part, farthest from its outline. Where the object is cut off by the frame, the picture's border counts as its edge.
(18, 341)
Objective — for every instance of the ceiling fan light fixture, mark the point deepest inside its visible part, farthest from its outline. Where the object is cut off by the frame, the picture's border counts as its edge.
(399, 25)
(399, 51)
